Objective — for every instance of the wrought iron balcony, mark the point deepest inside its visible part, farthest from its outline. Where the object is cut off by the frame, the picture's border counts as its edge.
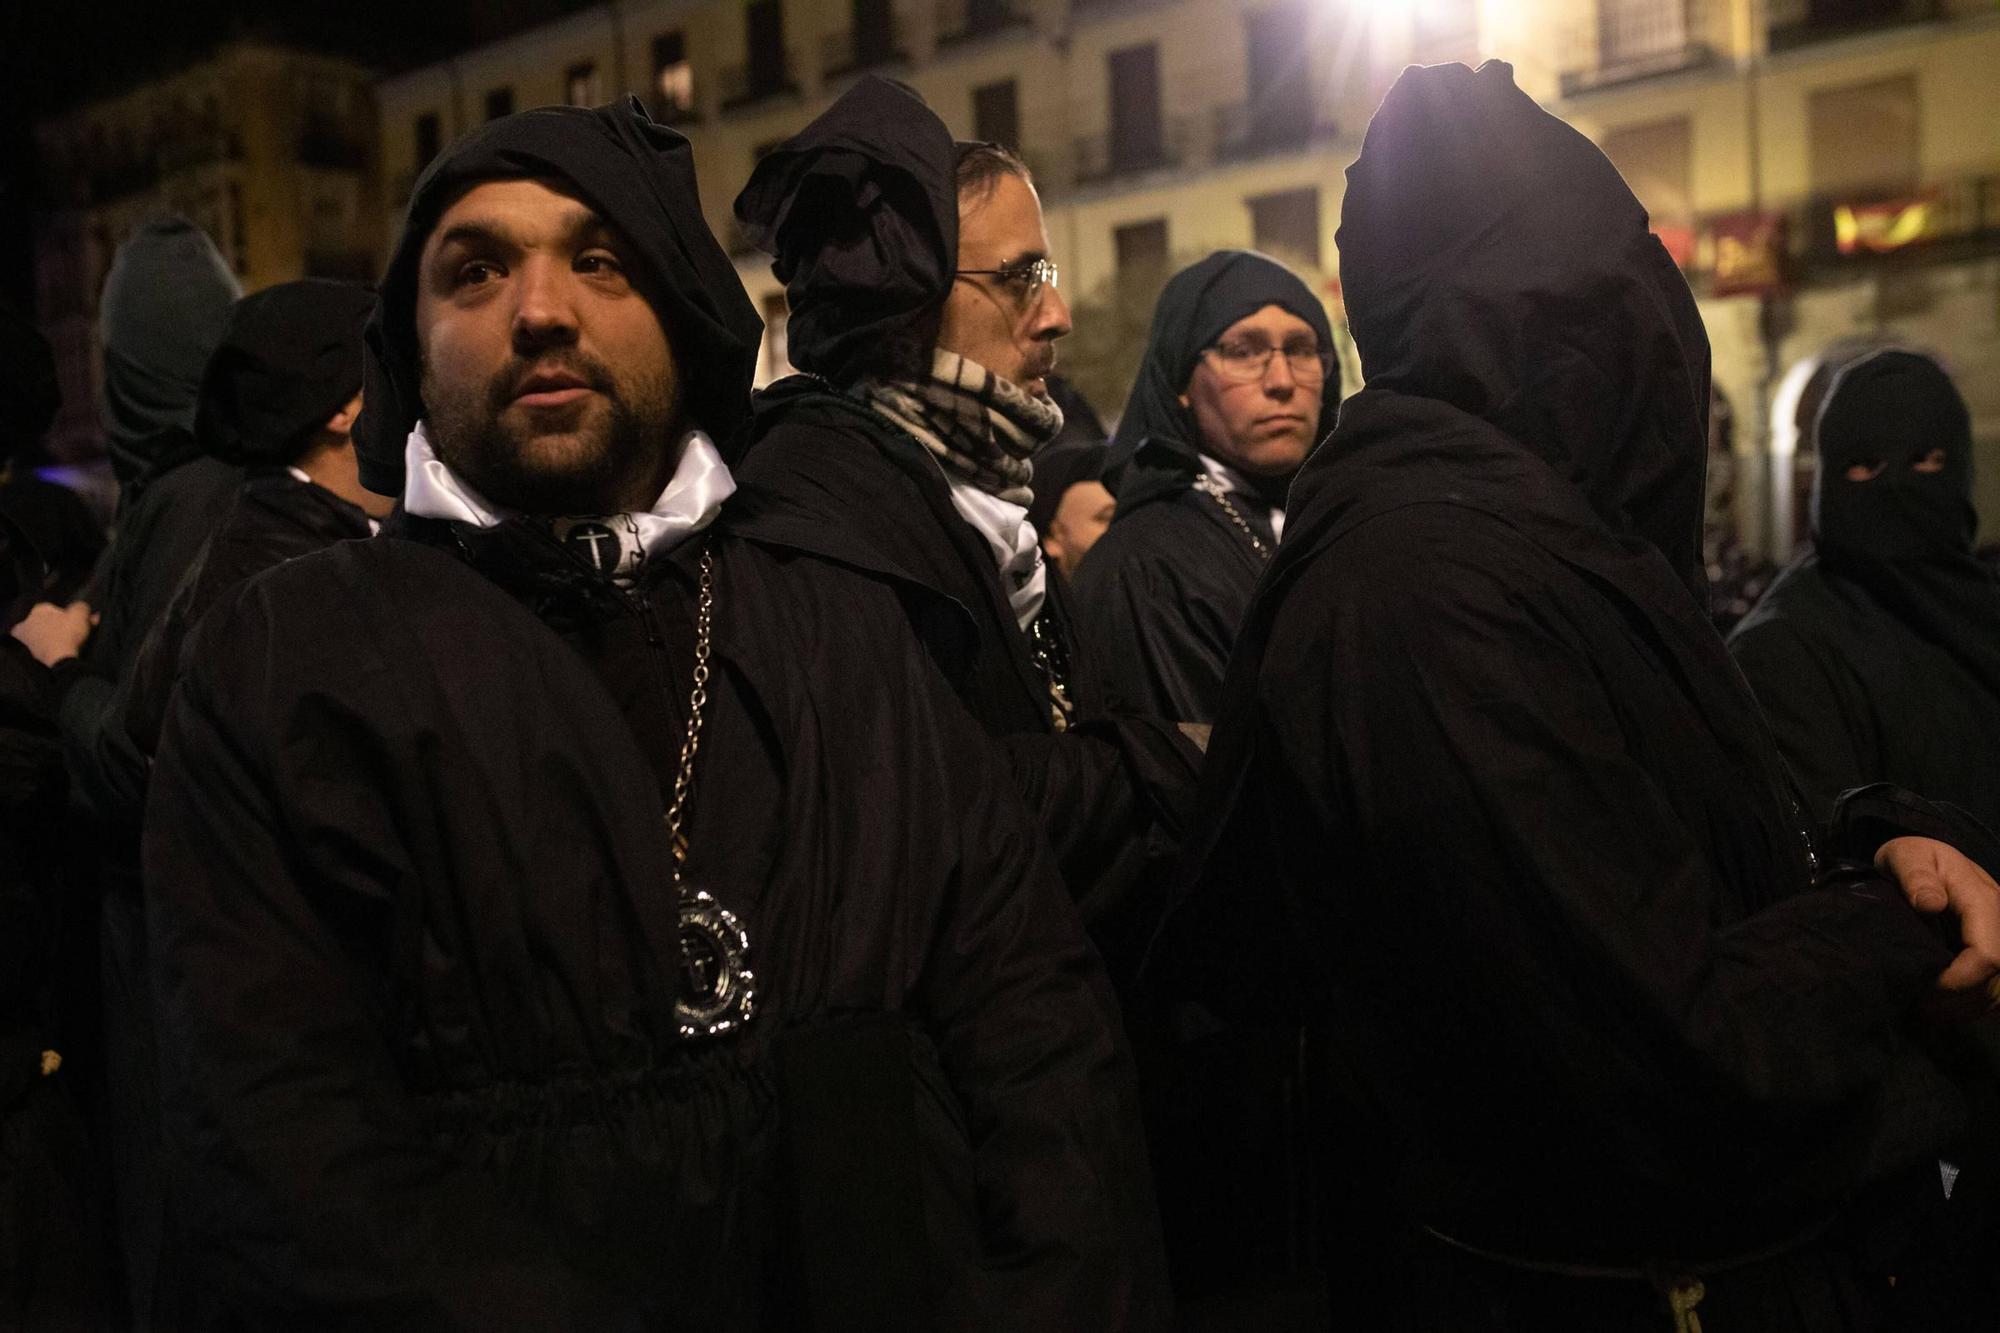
(1247, 130)
(965, 20)
(1130, 152)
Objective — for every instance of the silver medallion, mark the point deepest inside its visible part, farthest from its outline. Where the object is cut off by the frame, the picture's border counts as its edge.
(718, 990)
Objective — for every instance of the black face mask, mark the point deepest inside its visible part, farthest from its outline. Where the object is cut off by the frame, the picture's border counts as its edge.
(1906, 534)
(1895, 414)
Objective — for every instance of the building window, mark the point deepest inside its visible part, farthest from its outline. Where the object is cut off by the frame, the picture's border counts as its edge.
(430, 138)
(673, 75)
(1141, 248)
(874, 33)
(1138, 140)
(996, 114)
(580, 84)
(1286, 225)
(499, 102)
(1654, 160)
(1864, 137)
(1281, 90)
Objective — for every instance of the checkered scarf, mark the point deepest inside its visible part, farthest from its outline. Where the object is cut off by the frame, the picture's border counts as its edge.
(982, 428)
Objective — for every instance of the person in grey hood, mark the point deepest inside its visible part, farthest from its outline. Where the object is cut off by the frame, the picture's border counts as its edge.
(166, 303)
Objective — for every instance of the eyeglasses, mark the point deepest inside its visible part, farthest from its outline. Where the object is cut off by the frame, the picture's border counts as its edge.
(1029, 279)
(1246, 362)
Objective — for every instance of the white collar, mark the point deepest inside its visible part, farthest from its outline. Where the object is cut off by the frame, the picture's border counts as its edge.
(1222, 477)
(692, 499)
(1016, 548)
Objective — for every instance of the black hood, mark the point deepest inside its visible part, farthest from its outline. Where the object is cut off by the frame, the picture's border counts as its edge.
(1157, 449)
(290, 360)
(1893, 408)
(1494, 260)
(166, 304)
(859, 213)
(1906, 537)
(638, 176)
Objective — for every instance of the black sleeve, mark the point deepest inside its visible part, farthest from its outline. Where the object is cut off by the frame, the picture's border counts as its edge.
(1822, 740)
(300, 1166)
(1030, 1037)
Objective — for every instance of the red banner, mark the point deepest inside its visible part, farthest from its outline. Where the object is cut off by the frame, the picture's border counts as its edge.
(1748, 254)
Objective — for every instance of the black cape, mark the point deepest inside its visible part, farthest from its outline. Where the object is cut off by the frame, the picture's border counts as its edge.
(829, 475)
(415, 939)
(1497, 817)
(1160, 595)
(1877, 654)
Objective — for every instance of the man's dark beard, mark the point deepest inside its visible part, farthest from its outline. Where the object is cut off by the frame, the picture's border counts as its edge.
(490, 456)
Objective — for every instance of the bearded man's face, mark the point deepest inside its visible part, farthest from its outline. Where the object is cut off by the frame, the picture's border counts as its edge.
(548, 382)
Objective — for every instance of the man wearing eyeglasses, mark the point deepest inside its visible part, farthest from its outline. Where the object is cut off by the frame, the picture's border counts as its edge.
(925, 313)
(1238, 382)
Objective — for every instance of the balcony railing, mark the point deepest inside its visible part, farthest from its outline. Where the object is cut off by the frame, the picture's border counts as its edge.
(1104, 157)
(1247, 130)
(746, 85)
(200, 148)
(1797, 23)
(843, 53)
(1639, 39)
(964, 20)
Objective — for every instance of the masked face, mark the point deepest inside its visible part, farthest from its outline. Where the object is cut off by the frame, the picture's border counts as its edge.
(1895, 446)
(548, 381)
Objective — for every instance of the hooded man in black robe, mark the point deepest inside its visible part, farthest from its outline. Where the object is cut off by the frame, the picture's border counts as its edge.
(1876, 656)
(278, 401)
(573, 912)
(1238, 382)
(166, 302)
(925, 313)
(1614, 1040)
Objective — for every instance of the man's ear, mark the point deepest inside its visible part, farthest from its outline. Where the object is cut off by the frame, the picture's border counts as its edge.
(342, 422)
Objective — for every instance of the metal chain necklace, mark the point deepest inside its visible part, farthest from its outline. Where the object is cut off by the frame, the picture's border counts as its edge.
(1221, 497)
(719, 991)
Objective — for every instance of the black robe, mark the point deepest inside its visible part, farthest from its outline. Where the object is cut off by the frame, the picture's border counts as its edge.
(415, 939)
(1877, 654)
(1159, 598)
(828, 475)
(275, 517)
(1497, 818)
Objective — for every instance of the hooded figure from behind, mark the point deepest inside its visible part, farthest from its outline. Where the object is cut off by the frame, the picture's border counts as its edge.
(1876, 655)
(1497, 819)
(1238, 383)
(166, 303)
(277, 401)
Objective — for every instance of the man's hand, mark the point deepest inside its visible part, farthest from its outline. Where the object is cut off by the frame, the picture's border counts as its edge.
(1935, 877)
(55, 633)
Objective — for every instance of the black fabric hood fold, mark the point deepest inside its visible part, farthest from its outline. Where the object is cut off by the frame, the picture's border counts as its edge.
(290, 360)
(1493, 259)
(639, 176)
(1156, 451)
(859, 213)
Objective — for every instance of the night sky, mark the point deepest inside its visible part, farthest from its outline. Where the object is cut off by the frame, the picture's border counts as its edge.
(55, 53)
